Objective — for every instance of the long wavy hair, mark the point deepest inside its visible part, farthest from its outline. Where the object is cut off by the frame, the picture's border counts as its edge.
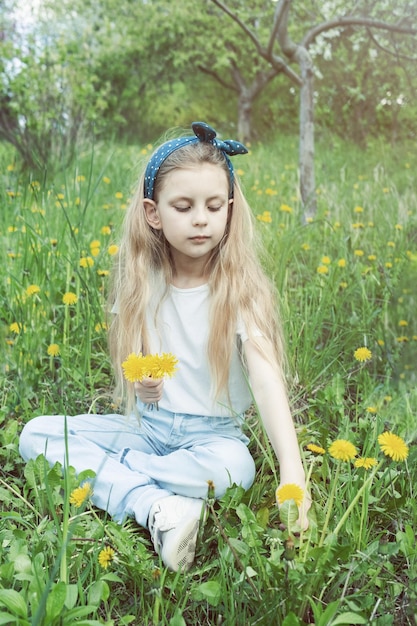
(237, 281)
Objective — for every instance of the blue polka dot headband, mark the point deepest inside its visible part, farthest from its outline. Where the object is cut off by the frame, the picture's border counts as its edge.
(202, 132)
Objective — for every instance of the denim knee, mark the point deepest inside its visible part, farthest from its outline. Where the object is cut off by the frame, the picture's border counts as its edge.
(33, 436)
(237, 469)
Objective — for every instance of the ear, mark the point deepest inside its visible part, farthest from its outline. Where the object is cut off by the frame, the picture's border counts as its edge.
(151, 214)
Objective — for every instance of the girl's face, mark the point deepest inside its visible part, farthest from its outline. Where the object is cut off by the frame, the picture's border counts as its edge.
(192, 211)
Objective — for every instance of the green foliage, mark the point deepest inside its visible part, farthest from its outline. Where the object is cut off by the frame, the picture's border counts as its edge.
(83, 71)
(356, 564)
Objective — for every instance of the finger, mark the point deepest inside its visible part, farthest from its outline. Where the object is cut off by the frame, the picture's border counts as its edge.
(151, 382)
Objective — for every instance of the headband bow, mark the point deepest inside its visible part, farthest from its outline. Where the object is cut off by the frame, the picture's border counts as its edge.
(204, 133)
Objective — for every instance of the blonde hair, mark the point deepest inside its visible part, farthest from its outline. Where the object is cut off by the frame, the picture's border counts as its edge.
(238, 284)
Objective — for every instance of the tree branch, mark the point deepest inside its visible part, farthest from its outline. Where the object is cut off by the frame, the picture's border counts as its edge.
(279, 12)
(243, 26)
(395, 53)
(217, 77)
(343, 22)
(277, 62)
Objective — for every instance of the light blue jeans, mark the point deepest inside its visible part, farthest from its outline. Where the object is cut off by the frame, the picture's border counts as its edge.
(137, 463)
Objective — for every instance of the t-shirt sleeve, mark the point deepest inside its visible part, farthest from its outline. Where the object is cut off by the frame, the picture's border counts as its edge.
(242, 331)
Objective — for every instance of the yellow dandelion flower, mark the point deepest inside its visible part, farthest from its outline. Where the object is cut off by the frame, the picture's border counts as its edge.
(388, 265)
(403, 323)
(135, 367)
(341, 263)
(326, 260)
(86, 261)
(53, 349)
(342, 450)
(106, 556)
(106, 180)
(343, 284)
(358, 253)
(81, 494)
(362, 354)
(371, 257)
(15, 328)
(118, 195)
(69, 298)
(60, 196)
(391, 244)
(317, 449)
(289, 491)
(322, 269)
(105, 230)
(358, 209)
(371, 409)
(284, 208)
(240, 172)
(32, 289)
(305, 246)
(100, 326)
(164, 364)
(365, 462)
(113, 249)
(80, 178)
(402, 339)
(271, 192)
(393, 446)
(103, 272)
(265, 217)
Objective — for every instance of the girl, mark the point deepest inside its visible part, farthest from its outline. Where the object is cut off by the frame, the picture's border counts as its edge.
(187, 282)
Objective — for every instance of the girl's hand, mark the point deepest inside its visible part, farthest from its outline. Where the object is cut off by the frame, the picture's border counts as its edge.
(149, 390)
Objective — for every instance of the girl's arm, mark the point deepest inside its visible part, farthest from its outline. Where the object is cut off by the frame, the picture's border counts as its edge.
(271, 398)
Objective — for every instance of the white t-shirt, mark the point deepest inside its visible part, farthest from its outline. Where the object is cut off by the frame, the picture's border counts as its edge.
(181, 326)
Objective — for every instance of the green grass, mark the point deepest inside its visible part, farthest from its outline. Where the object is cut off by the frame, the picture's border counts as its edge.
(347, 280)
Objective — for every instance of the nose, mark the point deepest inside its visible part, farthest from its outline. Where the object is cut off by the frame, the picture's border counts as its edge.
(199, 216)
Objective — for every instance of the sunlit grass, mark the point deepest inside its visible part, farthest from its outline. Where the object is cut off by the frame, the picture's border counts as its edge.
(347, 291)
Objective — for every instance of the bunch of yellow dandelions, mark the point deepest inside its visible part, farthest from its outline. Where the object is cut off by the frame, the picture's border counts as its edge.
(139, 366)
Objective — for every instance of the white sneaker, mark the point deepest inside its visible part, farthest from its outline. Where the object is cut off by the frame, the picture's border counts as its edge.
(173, 525)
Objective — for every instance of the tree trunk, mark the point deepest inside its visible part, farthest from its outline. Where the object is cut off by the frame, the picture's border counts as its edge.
(244, 120)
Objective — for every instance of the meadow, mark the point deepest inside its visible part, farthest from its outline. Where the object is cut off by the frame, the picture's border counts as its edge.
(348, 300)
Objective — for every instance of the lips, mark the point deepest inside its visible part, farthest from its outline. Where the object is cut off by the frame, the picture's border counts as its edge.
(199, 238)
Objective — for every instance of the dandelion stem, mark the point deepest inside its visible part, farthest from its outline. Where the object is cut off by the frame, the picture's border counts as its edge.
(329, 505)
(353, 502)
